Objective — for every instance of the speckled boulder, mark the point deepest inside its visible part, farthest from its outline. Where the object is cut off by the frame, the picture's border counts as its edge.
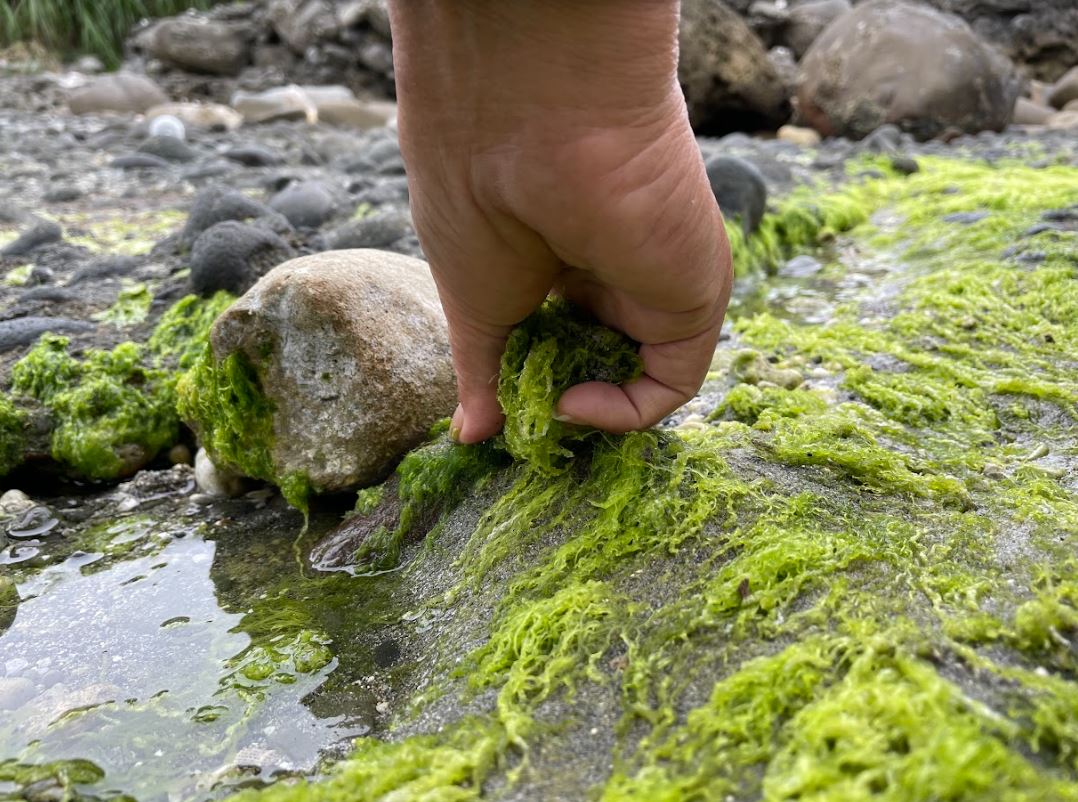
(351, 348)
(892, 61)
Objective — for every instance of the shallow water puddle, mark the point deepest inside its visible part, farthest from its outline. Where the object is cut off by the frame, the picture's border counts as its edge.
(131, 666)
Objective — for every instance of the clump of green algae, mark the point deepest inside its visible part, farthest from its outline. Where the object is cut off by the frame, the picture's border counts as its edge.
(112, 410)
(874, 634)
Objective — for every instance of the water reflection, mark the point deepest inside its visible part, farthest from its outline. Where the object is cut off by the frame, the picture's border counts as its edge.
(127, 666)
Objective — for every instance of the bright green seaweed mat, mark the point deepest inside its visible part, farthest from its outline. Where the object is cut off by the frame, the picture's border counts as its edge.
(856, 585)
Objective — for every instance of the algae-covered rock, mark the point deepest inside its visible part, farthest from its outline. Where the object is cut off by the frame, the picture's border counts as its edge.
(104, 414)
(325, 372)
(857, 581)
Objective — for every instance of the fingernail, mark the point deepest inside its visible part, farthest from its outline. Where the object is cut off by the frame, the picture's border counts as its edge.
(456, 424)
(564, 419)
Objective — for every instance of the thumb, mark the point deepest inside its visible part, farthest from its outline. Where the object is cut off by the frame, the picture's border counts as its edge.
(477, 354)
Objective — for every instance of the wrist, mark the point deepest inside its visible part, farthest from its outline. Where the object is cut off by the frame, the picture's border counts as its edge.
(528, 54)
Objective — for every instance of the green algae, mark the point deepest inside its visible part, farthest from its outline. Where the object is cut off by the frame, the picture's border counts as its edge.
(224, 402)
(804, 219)
(132, 306)
(824, 594)
(182, 334)
(112, 414)
(113, 411)
(12, 435)
(537, 367)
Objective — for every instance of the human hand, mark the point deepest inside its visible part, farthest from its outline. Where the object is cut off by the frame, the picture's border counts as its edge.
(548, 148)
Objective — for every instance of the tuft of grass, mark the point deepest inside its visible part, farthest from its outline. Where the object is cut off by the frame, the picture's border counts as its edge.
(82, 26)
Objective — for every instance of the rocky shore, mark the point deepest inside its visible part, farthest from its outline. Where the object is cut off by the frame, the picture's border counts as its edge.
(234, 536)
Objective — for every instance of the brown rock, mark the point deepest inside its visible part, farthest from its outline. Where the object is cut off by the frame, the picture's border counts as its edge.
(728, 80)
(893, 61)
(120, 91)
(1064, 119)
(1065, 89)
(1026, 112)
(352, 349)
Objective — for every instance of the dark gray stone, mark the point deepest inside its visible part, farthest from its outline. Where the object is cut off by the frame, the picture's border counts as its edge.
(41, 232)
(740, 190)
(306, 204)
(62, 194)
(252, 156)
(23, 331)
(232, 256)
(906, 165)
(965, 218)
(139, 161)
(217, 204)
(106, 266)
(168, 148)
(377, 231)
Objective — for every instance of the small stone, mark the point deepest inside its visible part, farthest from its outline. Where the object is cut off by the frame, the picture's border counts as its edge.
(14, 502)
(22, 331)
(214, 481)
(217, 204)
(210, 116)
(964, 218)
(805, 137)
(377, 231)
(180, 454)
(232, 256)
(306, 204)
(138, 161)
(170, 148)
(1063, 120)
(1026, 112)
(885, 139)
(740, 190)
(62, 194)
(197, 44)
(105, 266)
(1065, 89)
(906, 165)
(726, 76)
(801, 266)
(168, 125)
(252, 156)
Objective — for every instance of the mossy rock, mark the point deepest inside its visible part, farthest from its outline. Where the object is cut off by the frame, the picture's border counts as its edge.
(861, 587)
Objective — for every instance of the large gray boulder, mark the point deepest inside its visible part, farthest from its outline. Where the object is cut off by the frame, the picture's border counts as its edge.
(892, 61)
(120, 91)
(352, 349)
(728, 80)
